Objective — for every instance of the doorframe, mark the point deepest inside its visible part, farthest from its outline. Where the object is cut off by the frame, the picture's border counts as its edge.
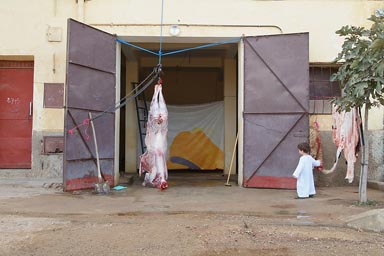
(240, 121)
(117, 114)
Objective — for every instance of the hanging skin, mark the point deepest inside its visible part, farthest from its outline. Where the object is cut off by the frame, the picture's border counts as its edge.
(153, 161)
(315, 141)
(346, 137)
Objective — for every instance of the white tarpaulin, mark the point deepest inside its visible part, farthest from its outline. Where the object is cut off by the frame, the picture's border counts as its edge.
(196, 136)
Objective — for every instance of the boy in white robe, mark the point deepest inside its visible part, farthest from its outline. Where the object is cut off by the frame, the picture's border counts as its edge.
(305, 184)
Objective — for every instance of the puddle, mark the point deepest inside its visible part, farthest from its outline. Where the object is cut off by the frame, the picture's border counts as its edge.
(283, 206)
(249, 252)
(304, 218)
(282, 212)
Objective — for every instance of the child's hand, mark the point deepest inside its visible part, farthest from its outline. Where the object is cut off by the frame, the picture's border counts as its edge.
(320, 167)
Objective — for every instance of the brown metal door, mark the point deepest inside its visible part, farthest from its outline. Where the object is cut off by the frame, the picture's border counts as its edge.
(276, 101)
(16, 90)
(90, 87)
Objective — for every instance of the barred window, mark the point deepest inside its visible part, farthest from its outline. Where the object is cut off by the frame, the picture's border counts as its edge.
(322, 89)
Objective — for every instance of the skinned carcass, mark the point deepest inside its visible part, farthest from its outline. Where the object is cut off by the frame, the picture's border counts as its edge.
(346, 138)
(153, 161)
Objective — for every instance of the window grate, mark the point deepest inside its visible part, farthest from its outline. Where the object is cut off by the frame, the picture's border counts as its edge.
(322, 89)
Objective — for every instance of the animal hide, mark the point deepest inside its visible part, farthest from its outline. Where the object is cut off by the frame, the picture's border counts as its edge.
(315, 141)
(346, 138)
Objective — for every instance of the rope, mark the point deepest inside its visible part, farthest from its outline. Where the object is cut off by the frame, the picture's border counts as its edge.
(160, 52)
(122, 102)
(86, 123)
(236, 40)
(203, 46)
(154, 74)
(135, 46)
(161, 31)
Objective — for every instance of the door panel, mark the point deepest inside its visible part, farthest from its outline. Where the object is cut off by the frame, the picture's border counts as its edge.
(276, 100)
(90, 87)
(16, 90)
(86, 83)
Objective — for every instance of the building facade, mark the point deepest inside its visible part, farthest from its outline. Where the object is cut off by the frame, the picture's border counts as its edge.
(35, 58)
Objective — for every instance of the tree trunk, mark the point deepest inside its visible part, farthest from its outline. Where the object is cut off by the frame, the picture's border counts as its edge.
(364, 162)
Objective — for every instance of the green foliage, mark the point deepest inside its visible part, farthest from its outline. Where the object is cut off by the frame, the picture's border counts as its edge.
(361, 74)
(368, 203)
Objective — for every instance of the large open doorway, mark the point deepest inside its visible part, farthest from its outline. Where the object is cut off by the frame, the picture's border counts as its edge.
(200, 88)
(270, 68)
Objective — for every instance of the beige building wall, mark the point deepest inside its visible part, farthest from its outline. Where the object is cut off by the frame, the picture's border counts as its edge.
(37, 29)
(131, 120)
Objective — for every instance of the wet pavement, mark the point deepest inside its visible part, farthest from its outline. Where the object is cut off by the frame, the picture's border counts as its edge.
(196, 215)
(187, 193)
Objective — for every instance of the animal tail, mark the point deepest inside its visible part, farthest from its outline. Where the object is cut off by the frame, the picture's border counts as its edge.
(333, 168)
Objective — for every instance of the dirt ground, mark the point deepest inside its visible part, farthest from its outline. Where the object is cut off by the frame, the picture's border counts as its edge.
(192, 217)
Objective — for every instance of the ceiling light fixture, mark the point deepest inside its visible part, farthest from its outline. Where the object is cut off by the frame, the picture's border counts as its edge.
(174, 30)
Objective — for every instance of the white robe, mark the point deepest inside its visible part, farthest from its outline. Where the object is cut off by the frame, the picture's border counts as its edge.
(305, 184)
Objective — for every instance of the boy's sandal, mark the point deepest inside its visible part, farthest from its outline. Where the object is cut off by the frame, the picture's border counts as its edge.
(298, 197)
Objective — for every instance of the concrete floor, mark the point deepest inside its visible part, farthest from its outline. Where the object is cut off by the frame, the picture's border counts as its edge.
(187, 192)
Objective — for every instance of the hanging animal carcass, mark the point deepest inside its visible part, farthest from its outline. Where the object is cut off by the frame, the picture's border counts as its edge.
(346, 127)
(153, 161)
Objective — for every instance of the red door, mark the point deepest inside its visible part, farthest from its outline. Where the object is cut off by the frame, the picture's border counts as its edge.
(16, 87)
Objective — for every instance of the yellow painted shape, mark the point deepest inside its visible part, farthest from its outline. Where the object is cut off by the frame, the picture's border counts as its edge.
(196, 147)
